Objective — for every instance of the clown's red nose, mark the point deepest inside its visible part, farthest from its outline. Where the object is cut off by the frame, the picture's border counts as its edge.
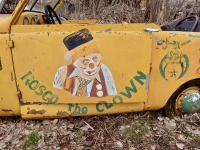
(91, 65)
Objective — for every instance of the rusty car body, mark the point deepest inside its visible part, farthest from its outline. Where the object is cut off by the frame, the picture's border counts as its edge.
(53, 69)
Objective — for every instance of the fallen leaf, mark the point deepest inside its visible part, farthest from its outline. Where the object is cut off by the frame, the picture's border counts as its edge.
(180, 145)
(160, 118)
(71, 126)
(153, 147)
(55, 121)
(84, 128)
(118, 144)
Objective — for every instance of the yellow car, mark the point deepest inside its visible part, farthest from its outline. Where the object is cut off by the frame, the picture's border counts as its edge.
(51, 67)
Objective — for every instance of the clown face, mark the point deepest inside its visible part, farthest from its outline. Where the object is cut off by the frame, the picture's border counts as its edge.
(88, 66)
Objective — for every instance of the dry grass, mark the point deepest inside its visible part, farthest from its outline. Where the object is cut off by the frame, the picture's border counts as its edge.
(130, 131)
(8, 7)
(131, 11)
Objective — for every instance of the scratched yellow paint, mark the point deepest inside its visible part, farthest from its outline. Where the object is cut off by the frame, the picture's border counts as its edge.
(174, 44)
(9, 104)
(123, 52)
(136, 70)
(66, 110)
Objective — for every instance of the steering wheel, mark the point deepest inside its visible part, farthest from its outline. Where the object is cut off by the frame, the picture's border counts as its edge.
(48, 12)
(195, 23)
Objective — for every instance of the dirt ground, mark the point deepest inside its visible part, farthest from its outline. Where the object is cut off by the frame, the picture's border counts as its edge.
(131, 131)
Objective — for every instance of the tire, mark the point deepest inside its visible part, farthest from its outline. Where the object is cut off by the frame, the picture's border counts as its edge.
(186, 99)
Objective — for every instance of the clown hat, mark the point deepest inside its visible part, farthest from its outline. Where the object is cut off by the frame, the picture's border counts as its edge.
(80, 43)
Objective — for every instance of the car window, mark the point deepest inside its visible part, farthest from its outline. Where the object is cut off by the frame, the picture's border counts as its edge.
(38, 5)
(30, 4)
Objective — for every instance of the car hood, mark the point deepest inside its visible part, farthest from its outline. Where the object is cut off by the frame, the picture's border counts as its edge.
(4, 22)
(4, 16)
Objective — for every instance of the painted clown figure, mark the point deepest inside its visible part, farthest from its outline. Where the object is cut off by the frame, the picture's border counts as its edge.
(86, 75)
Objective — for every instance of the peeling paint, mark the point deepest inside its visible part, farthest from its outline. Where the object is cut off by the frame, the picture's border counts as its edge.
(147, 81)
(6, 110)
(48, 33)
(0, 65)
(61, 113)
(159, 42)
(194, 36)
(100, 32)
(39, 103)
(108, 30)
(3, 32)
(11, 76)
(21, 101)
(198, 71)
(35, 112)
(27, 103)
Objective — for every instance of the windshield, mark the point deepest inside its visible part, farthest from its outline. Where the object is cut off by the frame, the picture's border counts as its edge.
(38, 5)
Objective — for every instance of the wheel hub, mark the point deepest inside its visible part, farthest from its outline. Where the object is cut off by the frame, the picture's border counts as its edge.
(191, 103)
(188, 101)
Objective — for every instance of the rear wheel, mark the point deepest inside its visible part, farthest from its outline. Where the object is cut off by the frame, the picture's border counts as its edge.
(185, 100)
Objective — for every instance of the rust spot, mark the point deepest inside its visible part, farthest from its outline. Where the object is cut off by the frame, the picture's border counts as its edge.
(194, 106)
(182, 65)
(11, 76)
(39, 103)
(60, 113)
(198, 71)
(3, 32)
(150, 69)
(0, 65)
(33, 111)
(19, 94)
(6, 110)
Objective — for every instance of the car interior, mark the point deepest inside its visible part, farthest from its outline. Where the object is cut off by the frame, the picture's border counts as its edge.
(43, 12)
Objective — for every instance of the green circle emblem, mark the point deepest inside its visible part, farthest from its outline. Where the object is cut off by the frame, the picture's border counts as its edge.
(174, 64)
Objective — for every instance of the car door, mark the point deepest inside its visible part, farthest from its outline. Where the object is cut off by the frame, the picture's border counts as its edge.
(53, 61)
(9, 102)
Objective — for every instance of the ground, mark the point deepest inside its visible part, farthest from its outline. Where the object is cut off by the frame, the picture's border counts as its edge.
(147, 130)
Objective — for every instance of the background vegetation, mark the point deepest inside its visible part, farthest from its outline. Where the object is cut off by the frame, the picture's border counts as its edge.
(131, 11)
